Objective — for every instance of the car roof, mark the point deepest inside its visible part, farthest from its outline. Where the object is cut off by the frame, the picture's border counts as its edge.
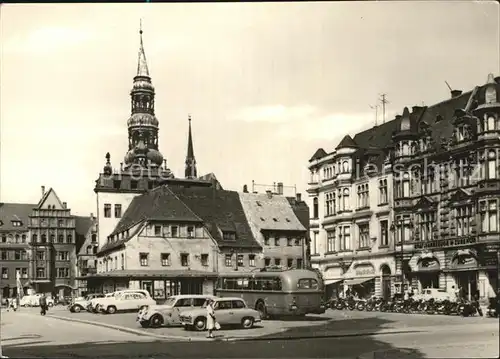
(182, 296)
(229, 298)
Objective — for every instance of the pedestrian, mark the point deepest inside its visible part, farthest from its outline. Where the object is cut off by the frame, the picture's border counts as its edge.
(210, 318)
(43, 304)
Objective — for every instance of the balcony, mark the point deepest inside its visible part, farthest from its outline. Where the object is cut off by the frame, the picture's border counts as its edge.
(488, 186)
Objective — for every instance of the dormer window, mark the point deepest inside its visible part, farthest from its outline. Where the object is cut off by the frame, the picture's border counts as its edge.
(229, 236)
(460, 133)
(17, 223)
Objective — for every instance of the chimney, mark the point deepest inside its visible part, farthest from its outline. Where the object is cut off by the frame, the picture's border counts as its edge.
(280, 188)
(91, 216)
(43, 191)
(455, 93)
(298, 197)
(121, 166)
(269, 194)
(245, 189)
(65, 205)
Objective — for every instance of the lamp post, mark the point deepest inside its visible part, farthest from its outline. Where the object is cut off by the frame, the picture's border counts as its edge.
(401, 224)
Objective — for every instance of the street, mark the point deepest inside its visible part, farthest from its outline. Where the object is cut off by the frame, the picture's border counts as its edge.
(28, 334)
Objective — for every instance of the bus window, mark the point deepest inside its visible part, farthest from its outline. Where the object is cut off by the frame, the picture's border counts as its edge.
(229, 283)
(267, 284)
(242, 283)
(276, 284)
(307, 284)
(256, 284)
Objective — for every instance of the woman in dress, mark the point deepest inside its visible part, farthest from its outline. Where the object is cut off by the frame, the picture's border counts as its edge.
(210, 318)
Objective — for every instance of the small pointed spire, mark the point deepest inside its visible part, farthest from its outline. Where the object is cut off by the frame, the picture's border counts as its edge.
(142, 65)
(190, 171)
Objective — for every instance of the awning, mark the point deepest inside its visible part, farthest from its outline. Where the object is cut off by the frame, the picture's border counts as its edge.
(332, 281)
(357, 281)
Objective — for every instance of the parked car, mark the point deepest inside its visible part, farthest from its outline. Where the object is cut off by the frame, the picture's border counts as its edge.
(433, 293)
(82, 303)
(34, 300)
(228, 311)
(168, 314)
(125, 301)
(93, 305)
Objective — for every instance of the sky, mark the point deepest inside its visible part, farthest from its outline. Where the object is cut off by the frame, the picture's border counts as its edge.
(266, 84)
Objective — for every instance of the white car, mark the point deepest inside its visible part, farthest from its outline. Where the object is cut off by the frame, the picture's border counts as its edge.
(433, 293)
(168, 314)
(125, 301)
(82, 303)
(34, 301)
(93, 305)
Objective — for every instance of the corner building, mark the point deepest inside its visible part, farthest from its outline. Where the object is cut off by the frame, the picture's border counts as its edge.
(413, 202)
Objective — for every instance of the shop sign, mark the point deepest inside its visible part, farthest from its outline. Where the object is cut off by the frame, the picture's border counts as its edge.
(443, 243)
(364, 270)
(428, 264)
(490, 260)
(493, 247)
(464, 261)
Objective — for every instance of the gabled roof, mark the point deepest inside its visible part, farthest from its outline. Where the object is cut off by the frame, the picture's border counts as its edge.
(159, 204)
(46, 195)
(425, 202)
(460, 194)
(270, 212)
(82, 227)
(347, 142)
(15, 212)
(320, 153)
(221, 211)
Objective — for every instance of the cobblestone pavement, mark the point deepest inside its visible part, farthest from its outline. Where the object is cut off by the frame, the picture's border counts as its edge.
(333, 322)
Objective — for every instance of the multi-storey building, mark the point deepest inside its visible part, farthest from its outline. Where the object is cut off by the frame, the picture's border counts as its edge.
(86, 251)
(174, 240)
(413, 201)
(277, 229)
(144, 167)
(14, 246)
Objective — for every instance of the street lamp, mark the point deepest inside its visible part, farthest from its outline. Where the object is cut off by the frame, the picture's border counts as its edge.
(401, 223)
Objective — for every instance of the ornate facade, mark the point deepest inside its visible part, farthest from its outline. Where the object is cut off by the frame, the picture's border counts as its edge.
(428, 185)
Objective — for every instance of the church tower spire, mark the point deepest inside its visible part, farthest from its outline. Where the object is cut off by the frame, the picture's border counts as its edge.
(190, 171)
(143, 124)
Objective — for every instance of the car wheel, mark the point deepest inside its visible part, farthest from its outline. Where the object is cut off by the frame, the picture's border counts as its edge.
(247, 323)
(111, 309)
(77, 309)
(156, 321)
(261, 308)
(200, 324)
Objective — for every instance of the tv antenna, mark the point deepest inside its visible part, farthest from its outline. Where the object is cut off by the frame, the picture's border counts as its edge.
(447, 84)
(383, 101)
(375, 107)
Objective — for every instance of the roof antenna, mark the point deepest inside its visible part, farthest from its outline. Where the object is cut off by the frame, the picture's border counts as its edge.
(375, 107)
(447, 84)
(383, 101)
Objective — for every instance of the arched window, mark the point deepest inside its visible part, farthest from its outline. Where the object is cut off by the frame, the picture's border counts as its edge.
(94, 238)
(315, 207)
(44, 238)
(345, 199)
(94, 250)
(69, 238)
(89, 249)
(492, 164)
(34, 238)
(491, 123)
(406, 151)
(345, 167)
(18, 238)
(406, 185)
(52, 238)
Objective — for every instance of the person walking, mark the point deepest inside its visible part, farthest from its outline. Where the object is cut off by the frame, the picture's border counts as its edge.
(43, 304)
(210, 318)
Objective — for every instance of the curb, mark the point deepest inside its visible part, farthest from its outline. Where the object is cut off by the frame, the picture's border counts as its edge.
(127, 330)
(400, 353)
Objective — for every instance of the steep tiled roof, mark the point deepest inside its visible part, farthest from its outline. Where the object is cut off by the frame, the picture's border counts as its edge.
(347, 141)
(270, 212)
(219, 209)
(320, 153)
(82, 227)
(158, 204)
(15, 212)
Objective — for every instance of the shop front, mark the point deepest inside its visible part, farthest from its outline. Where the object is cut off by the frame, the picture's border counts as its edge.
(361, 279)
(333, 280)
(427, 273)
(464, 269)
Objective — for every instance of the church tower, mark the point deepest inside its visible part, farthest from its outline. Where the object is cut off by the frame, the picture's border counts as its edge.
(190, 168)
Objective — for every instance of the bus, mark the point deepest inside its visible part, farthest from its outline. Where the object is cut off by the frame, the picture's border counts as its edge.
(293, 292)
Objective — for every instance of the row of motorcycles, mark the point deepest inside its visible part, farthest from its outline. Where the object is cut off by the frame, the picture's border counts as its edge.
(414, 306)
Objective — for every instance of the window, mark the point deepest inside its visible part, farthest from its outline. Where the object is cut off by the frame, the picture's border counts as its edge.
(5, 255)
(240, 260)
(251, 260)
(133, 184)
(107, 210)
(491, 123)
(44, 238)
(204, 260)
(428, 182)
(190, 231)
(489, 215)
(40, 272)
(94, 238)
(289, 263)
(277, 241)
(40, 255)
(116, 184)
(277, 261)
(344, 238)
(228, 260)
(122, 261)
(165, 259)
(62, 256)
(185, 259)
(289, 241)
(5, 273)
(69, 238)
(363, 196)
(52, 238)
(345, 167)
(229, 236)
(315, 244)
(364, 235)
(406, 185)
(299, 263)
(24, 272)
(330, 241)
(330, 204)
(62, 272)
(157, 231)
(492, 164)
(17, 254)
(307, 284)
(382, 190)
(174, 231)
(462, 216)
(426, 221)
(384, 233)
(345, 200)
(315, 208)
(298, 241)
(266, 239)
(60, 238)
(143, 259)
(118, 210)
(267, 262)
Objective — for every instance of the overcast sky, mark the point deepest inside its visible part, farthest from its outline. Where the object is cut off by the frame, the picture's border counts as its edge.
(266, 83)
